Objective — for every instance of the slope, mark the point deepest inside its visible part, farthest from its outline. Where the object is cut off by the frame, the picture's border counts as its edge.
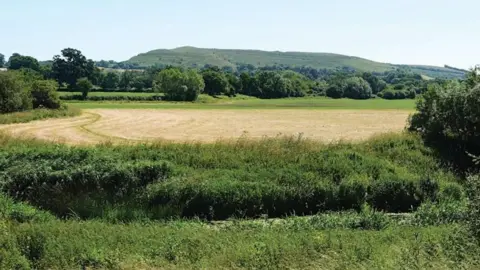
(198, 57)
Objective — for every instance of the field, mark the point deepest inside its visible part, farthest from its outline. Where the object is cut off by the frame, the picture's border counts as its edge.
(229, 184)
(320, 119)
(108, 94)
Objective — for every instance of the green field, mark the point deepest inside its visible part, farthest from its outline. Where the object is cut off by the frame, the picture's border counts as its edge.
(109, 94)
(253, 103)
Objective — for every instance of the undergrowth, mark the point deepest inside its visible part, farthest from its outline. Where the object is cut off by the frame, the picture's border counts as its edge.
(38, 114)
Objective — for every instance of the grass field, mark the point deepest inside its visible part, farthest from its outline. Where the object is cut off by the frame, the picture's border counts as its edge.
(253, 103)
(107, 94)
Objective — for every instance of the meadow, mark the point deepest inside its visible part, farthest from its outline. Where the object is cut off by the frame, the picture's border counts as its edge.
(244, 102)
(384, 201)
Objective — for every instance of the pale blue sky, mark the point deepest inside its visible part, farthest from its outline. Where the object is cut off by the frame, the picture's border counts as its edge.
(434, 32)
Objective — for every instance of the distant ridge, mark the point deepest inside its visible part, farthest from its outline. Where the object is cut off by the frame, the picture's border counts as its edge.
(189, 56)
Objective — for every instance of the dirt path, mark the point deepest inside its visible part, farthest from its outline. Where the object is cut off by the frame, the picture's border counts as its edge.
(101, 125)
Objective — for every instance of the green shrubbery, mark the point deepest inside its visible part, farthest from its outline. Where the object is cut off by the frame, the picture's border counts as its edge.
(274, 177)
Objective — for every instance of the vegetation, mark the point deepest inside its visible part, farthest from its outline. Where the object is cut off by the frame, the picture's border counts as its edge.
(239, 59)
(38, 114)
(178, 85)
(44, 94)
(274, 177)
(13, 94)
(85, 86)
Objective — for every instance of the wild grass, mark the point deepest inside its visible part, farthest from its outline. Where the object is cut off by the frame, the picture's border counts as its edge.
(38, 114)
(195, 245)
(242, 102)
(243, 178)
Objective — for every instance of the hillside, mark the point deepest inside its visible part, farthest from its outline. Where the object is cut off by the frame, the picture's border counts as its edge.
(198, 57)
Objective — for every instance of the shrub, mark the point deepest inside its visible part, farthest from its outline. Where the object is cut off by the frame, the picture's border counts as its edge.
(84, 85)
(44, 94)
(448, 118)
(13, 94)
(357, 88)
(335, 91)
(180, 85)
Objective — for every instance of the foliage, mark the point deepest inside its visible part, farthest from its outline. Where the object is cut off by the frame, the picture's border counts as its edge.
(335, 91)
(357, 88)
(473, 190)
(85, 86)
(111, 81)
(274, 177)
(37, 114)
(180, 85)
(2, 60)
(448, 117)
(71, 66)
(216, 83)
(14, 96)
(113, 98)
(44, 94)
(17, 61)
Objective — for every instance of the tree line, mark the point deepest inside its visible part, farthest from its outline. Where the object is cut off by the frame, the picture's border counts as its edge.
(73, 71)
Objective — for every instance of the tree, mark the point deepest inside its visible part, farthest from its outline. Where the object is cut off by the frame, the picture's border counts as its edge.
(44, 94)
(110, 81)
(335, 91)
(126, 79)
(17, 61)
(180, 85)
(71, 66)
(271, 85)
(234, 83)
(374, 82)
(2, 60)
(13, 94)
(473, 77)
(216, 83)
(357, 88)
(84, 85)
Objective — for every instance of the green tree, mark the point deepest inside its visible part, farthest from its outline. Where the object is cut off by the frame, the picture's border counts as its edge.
(2, 60)
(235, 84)
(180, 85)
(111, 81)
(85, 86)
(335, 90)
(17, 61)
(14, 96)
(126, 79)
(473, 77)
(216, 83)
(44, 94)
(357, 88)
(298, 84)
(71, 66)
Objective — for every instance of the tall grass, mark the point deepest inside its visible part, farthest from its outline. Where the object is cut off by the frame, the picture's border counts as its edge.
(193, 245)
(38, 114)
(271, 177)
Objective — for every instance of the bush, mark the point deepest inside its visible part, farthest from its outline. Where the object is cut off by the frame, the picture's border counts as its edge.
(13, 94)
(180, 85)
(357, 88)
(448, 118)
(84, 85)
(335, 91)
(44, 94)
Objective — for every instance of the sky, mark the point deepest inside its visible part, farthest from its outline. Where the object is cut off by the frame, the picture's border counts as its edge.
(429, 32)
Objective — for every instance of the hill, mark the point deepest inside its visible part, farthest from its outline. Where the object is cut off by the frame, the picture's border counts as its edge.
(198, 57)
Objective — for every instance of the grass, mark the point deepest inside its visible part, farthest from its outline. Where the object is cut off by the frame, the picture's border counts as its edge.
(273, 177)
(206, 102)
(38, 114)
(195, 245)
(109, 94)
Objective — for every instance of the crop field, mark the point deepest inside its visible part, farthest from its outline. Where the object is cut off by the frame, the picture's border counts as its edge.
(100, 125)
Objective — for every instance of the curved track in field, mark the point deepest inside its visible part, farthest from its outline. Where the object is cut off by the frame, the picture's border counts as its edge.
(103, 125)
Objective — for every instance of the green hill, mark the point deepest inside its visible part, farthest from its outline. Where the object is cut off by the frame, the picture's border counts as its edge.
(198, 57)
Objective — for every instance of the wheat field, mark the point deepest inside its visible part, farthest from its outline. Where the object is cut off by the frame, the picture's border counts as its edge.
(139, 125)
